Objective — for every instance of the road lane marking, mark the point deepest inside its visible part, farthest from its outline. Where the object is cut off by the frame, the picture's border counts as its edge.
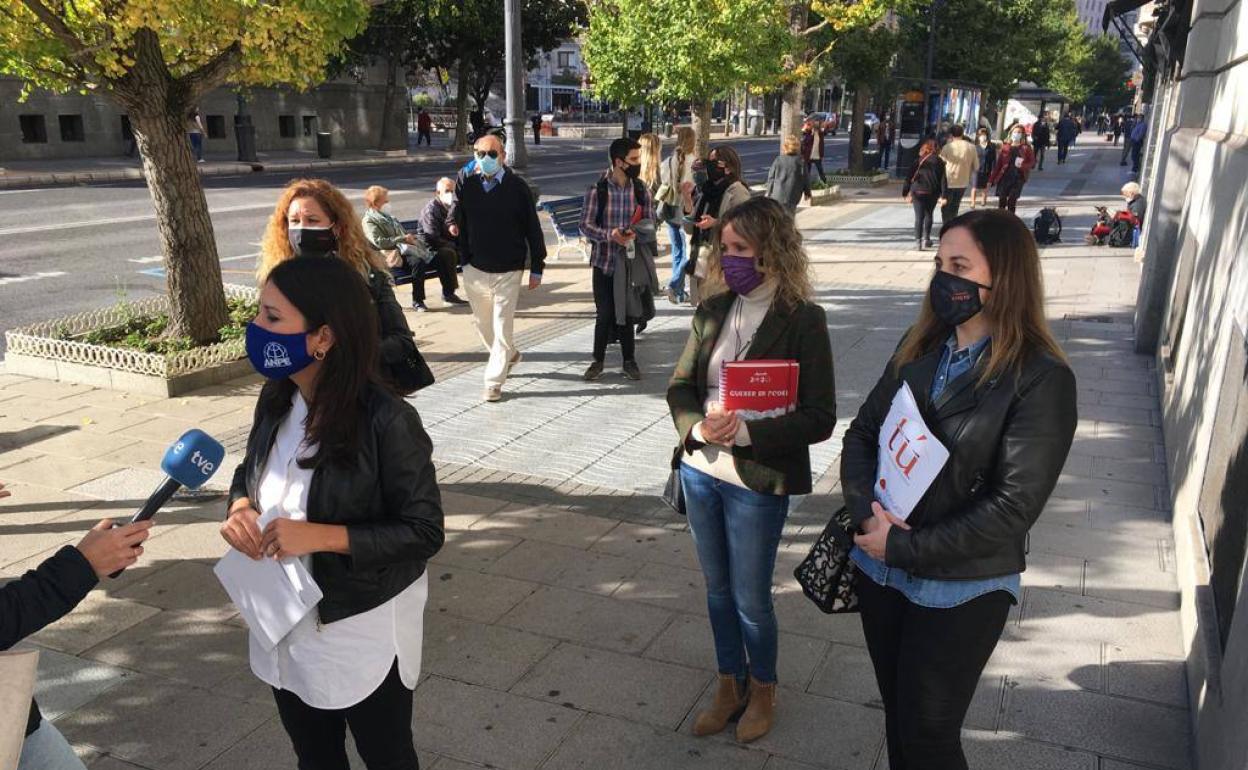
(146, 260)
(31, 277)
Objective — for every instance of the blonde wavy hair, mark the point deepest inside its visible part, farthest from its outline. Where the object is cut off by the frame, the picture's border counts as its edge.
(651, 146)
(769, 228)
(353, 247)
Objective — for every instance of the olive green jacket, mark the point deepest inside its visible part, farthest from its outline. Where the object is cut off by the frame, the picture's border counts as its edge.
(778, 459)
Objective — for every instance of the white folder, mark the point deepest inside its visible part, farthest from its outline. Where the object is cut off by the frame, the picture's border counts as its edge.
(910, 456)
(272, 595)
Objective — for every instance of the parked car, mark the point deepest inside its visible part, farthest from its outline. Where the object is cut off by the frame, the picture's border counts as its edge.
(828, 119)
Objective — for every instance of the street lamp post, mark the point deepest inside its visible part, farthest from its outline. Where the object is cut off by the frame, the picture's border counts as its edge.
(517, 155)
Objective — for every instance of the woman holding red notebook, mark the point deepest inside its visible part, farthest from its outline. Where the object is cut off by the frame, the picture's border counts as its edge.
(737, 473)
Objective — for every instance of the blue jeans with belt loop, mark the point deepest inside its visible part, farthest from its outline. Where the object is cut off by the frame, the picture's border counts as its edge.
(737, 532)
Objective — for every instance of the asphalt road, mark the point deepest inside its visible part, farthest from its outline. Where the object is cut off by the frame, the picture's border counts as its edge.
(69, 249)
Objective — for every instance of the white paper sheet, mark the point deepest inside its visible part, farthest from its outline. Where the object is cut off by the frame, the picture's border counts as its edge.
(272, 596)
(910, 456)
(17, 683)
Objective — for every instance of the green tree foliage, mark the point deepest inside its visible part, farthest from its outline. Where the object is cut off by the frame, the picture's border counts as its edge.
(156, 59)
(1105, 72)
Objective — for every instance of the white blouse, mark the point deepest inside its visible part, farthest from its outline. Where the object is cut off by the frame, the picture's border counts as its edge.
(335, 665)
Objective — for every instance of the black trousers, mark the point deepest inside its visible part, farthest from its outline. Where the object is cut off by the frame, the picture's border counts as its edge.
(424, 134)
(924, 205)
(381, 725)
(1008, 194)
(1062, 151)
(444, 261)
(953, 202)
(1040, 152)
(604, 322)
(927, 663)
(818, 164)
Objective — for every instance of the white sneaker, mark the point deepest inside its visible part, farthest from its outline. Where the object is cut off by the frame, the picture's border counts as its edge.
(493, 393)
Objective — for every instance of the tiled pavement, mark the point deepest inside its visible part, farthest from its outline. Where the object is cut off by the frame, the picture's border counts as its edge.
(566, 626)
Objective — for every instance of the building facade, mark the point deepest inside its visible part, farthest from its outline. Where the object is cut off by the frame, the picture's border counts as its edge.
(1192, 315)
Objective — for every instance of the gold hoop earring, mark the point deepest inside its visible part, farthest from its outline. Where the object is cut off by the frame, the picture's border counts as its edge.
(319, 355)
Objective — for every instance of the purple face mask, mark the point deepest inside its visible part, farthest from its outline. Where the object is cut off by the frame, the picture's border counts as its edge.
(741, 273)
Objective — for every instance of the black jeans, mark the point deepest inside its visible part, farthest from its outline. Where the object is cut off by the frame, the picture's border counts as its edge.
(924, 205)
(1062, 151)
(381, 725)
(953, 202)
(1008, 194)
(424, 134)
(444, 261)
(927, 663)
(886, 152)
(604, 323)
(818, 164)
(1040, 151)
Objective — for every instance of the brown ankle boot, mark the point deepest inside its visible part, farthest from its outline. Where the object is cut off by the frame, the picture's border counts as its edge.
(729, 700)
(759, 714)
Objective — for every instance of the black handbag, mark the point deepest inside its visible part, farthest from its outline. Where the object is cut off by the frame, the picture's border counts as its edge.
(673, 490)
(826, 575)
(409, 373)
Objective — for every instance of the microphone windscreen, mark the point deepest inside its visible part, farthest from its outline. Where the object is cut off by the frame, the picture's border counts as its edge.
(193, 459)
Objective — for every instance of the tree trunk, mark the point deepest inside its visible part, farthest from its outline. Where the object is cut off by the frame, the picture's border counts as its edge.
(791, 110)
(861, 97)
(743, 112)
(393, 111)
(461, 108)
(701, 112)
(192, 268)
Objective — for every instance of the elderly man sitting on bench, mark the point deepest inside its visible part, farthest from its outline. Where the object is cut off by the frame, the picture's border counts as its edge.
(402, 248)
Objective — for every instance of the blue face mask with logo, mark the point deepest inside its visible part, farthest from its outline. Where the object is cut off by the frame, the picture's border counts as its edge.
(277, 356)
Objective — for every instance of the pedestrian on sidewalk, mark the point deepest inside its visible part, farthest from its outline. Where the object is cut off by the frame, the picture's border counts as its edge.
(676, 170)
(716, 195)
(1014, 162)
(961, 162)
(1040, 141)
(787, 182)
(46, 594)
(884, 136)
(738, 470)
(647, 234)
(1138, 132)
(338, 474)
(1117, 124)
(403, 249)
(424, 128)
(612, 208)
(496, 221)
(812, 148)
(195, 131)
(1067, 131)
(926, 185)
(987, 153)
(1128, 126)
(314, 219)
(536, 122)
(935, 589)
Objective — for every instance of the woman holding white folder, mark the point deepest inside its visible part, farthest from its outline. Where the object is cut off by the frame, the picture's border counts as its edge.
(737, 473)
(993, 387)
(338, 474)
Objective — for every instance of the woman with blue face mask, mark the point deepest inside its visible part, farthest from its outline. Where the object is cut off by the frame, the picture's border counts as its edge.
(339, 475)
(738, 470)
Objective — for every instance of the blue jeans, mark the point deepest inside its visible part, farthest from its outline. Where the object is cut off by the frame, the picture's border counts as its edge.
(47, 749)
(737, 532)
(679, 255)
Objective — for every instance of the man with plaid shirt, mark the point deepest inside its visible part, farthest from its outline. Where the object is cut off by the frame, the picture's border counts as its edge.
(609, 230)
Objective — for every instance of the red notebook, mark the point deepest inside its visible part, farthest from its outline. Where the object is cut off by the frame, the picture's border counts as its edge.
(758, 389)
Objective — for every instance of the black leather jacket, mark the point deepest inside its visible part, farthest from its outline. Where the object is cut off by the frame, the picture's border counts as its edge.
(387, 498)
(1007, 438)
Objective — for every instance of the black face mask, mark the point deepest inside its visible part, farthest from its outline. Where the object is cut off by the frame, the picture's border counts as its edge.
(715, 173)
(955, 300)
(632, 171)
(312, 241)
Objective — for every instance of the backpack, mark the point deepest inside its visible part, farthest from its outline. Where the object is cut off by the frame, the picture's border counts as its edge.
(1122, 233)
(1047, 227)
(600, 216)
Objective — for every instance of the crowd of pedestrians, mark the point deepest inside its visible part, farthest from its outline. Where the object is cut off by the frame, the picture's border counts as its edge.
(338, 473)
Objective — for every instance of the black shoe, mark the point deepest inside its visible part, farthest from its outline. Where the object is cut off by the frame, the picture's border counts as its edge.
(927, 244)
(918, 244)
(641, 327)
(631, 370)
(453, 299)
(594, 372)
(419, 306)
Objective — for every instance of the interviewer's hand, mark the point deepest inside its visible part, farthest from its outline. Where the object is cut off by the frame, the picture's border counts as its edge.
(242, 530)
(108, 548)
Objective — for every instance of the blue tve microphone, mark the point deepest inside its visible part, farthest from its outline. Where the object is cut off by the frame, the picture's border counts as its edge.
(189, 463)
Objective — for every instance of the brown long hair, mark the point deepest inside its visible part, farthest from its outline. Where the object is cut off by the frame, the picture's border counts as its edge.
(353, 247)
(1015, 305)
(769, 228)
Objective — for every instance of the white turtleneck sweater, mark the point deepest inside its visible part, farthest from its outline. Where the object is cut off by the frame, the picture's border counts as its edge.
(735, 338)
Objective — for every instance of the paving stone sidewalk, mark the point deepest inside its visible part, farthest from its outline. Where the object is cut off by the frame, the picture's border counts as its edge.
(566, 625)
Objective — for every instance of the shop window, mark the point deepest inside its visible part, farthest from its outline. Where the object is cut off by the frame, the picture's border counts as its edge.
(309, 125)
(286, 126)
(34, 129)
(216, 126)
(71, 128)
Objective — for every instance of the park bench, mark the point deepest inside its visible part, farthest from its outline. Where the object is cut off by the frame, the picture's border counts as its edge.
(565, 214)
(402, 275)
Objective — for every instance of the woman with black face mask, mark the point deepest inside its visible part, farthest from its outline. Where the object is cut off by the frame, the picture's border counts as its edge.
(935, 582)
(717, 188)
(337, 489)
(314, 219)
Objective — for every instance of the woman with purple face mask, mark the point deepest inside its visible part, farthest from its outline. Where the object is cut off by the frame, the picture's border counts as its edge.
(737, 470)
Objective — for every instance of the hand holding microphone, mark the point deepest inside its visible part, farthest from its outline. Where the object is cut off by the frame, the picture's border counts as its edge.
(190, 462)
